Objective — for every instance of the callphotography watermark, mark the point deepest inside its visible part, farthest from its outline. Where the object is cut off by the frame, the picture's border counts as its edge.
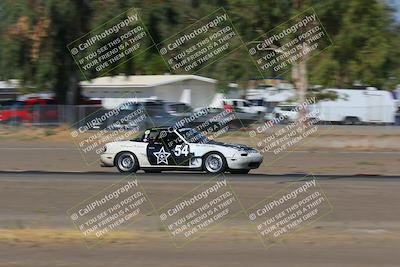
(118, 40)
(288, 129)
(124, 122)
(207, 40)
(288, 211)
(110, 210)
(291, 42)
(193, 214)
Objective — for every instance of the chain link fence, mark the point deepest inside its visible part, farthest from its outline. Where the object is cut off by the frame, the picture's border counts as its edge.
(45, 115)
(79, 115)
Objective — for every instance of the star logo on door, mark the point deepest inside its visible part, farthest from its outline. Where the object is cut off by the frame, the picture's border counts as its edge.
(162, 156)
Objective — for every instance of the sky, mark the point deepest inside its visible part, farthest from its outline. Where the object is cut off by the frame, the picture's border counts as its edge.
(396, 5)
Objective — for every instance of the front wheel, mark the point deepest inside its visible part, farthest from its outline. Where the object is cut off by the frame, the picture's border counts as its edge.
(126, 162)
(214, 163)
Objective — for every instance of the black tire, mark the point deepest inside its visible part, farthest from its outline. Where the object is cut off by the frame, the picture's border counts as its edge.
(351, 121)
(260, 116)
(126, 162)
(214, 162)
(285, 121)
(239, 171)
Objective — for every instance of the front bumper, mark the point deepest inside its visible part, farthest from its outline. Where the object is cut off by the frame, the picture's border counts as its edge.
(107, 160)
(245, 161)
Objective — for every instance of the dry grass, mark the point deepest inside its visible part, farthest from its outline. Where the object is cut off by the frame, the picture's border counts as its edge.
(22, 133)
(37, 237)
(357, 138)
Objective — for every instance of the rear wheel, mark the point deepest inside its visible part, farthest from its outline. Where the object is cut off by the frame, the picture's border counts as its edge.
(351, 120)
(127, 162)
(214, 162)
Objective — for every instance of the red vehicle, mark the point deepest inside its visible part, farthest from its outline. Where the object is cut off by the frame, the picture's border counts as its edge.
(30, 110)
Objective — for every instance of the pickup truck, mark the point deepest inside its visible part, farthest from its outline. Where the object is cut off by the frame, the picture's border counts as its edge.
(30, 110)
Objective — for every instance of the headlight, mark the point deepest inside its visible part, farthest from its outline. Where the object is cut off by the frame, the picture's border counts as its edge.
(247, 150)
(103, 149)
(250, 150)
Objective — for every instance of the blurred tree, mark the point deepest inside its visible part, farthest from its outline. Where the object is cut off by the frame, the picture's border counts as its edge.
(35, 33)
(34, 39)
(364, 49)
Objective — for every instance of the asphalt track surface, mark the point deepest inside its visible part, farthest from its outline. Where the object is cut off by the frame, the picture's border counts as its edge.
(362, 230)
(184, 176)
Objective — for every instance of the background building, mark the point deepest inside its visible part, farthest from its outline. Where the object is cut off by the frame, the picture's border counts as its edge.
(8, 89)
(196, 91)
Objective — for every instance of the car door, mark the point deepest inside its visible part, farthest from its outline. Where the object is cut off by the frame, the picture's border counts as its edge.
(155, 151)
(168, 149)
(179, 149)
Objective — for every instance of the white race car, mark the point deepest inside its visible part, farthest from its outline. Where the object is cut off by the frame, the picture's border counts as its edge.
(162, 149)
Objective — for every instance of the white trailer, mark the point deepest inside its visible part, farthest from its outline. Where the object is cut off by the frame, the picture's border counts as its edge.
(354, 106)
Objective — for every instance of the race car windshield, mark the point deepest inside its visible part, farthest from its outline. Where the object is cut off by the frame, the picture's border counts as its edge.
(193, 136)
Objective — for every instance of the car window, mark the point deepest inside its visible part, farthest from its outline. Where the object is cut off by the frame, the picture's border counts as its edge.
(129, 106)
(153, 105)
(193, 136)
(287, 108)
(155, 111)
(17, 105)
(215, 110)
(6, 104)
(35, 107)
(172, 139)
(256, 102)
(150, 136)
(180, 108)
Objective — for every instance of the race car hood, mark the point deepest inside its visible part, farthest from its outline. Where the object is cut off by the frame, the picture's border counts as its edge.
(235, 146)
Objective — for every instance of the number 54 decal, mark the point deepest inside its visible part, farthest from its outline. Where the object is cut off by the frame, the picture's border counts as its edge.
(181, 150)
